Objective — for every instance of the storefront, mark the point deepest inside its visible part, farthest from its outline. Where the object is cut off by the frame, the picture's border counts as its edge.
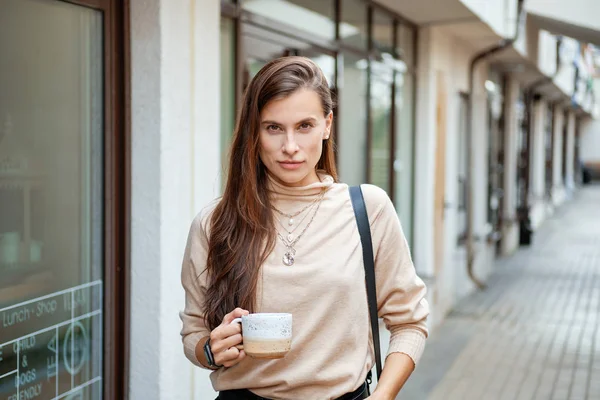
(62, 196)
(495, 154)
(368, 55)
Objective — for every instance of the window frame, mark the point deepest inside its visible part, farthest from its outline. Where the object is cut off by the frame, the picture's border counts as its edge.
(117, 193)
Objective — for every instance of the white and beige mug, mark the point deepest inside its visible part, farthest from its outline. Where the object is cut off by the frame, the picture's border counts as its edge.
(266, 335)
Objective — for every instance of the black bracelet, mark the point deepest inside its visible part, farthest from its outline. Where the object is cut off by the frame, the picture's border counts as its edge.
(210, 358)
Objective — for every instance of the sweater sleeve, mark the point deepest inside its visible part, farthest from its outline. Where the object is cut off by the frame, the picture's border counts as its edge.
(400, 292)
(193, 279)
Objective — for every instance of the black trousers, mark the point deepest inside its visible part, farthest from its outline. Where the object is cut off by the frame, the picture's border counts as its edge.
(243, 394)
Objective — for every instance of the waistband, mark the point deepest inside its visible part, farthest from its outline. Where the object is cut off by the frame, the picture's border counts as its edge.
(245, 394)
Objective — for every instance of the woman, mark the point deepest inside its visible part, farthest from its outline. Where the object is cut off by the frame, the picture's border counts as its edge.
(283, 238)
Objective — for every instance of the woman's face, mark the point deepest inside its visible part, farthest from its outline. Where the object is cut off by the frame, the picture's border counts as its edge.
(292, 131)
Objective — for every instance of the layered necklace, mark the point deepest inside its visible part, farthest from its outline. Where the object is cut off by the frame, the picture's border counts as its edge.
(290, 240)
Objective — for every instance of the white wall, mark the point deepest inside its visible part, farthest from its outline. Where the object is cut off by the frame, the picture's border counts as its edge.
(577, 12)
(441, 53)
(175, 168)
(547, 53)
(589, 145)
(500, 15)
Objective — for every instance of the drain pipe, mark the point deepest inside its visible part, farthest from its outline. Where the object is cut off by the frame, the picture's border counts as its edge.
(504, 43)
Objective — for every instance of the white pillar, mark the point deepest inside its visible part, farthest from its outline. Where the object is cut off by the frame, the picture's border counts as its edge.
(538, 161)
(510, 227)
(175, 169)
(425, 157)
(558, 193)
(480, 167)
(539, 150)
(570, 168)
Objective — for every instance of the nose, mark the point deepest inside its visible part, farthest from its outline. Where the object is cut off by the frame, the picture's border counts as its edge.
(290, 146)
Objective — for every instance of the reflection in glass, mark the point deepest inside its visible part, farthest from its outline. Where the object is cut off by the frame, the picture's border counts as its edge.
(51, 218)
(227, 91)
(381, 104)
(383, 32)
(352, 120)
(406, 45)
(353, 27)
(316, 17)
(403, 163)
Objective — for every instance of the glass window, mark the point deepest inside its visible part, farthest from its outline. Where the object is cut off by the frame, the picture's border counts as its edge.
(51, 192)
(227, 91)
(405, 49)
(381, 109)
(403, 163)
(315, 16)
(352, 120)
(353, 24)
(261, 46)
(383, 32)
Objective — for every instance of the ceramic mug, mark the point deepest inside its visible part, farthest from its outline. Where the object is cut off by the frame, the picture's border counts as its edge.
(266, 335)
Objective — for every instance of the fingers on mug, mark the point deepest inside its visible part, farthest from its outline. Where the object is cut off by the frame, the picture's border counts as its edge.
(241, 345)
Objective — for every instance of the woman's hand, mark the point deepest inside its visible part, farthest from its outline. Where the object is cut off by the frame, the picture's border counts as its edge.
(225, 337)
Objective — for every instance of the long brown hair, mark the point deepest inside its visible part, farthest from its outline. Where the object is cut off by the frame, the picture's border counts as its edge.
(242, 231)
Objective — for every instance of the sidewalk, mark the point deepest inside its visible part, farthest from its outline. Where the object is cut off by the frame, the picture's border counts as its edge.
(533, 334)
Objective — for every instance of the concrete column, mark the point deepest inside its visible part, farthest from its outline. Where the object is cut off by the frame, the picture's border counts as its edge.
(510, 228)
(425, 156)
(570, 169)
(558, 191)
(484, 251)
(537, 166)
(480, 165)
(175, 170)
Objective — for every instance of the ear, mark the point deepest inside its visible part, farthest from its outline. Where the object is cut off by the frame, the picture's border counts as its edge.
(328, 125)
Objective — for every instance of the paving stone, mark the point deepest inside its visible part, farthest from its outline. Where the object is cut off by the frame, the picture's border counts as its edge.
(533, 333)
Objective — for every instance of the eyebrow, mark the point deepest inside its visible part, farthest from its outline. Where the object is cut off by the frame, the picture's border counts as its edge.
(309, 119)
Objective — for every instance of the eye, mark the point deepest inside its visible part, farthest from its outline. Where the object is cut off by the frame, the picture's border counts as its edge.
(305, 126)
(273, 128)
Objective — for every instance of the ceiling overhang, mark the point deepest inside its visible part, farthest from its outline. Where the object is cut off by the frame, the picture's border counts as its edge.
(578, 32)
(453, 17)
(528, 74)
(426, 12)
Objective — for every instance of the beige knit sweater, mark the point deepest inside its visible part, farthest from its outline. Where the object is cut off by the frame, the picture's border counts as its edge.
(332, 348)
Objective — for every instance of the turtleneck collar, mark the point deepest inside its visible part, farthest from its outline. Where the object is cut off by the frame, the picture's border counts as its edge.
(325, 181)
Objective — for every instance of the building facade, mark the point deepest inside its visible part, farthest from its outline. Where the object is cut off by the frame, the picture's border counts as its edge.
(115, 122)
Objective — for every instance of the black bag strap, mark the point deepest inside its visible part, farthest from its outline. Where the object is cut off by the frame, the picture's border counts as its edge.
(364, 229)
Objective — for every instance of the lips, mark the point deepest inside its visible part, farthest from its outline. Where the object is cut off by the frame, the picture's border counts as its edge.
(290, 164)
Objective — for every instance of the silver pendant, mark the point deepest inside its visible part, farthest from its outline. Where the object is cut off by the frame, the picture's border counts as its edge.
(290, 238)
(288, 259)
